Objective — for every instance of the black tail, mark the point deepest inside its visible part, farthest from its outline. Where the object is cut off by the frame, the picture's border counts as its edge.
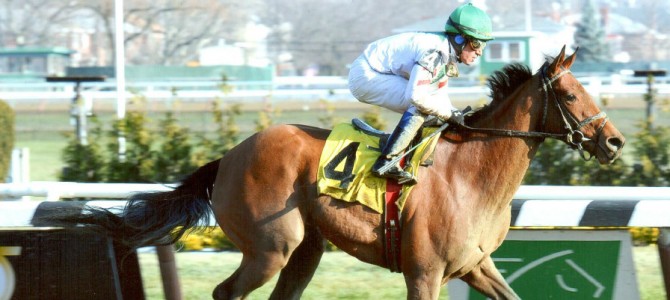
(158, 218)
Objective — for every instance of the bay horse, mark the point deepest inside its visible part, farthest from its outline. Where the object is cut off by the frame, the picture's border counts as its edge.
(263, 193)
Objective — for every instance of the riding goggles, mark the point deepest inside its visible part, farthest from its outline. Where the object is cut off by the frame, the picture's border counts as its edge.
(476, 44)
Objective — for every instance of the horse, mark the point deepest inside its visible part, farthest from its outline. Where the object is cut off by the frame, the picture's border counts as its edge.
(263, 193)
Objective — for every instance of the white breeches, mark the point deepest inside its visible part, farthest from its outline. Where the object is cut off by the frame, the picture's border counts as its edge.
(397, 93)
(372, 87)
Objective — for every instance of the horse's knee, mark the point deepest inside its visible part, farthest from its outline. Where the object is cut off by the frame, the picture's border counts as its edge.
(486, 279)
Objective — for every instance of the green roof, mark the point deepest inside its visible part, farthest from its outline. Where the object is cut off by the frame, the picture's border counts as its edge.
(35, 50)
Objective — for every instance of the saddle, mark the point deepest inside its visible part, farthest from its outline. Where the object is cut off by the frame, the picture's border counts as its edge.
(361, 125)
(345, 173)
(348, 155)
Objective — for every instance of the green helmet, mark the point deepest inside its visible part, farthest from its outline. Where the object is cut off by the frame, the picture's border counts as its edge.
(470, 21)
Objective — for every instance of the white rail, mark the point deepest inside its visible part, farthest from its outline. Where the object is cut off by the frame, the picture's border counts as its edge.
(534, 205)
(280, 88)
(57, 190)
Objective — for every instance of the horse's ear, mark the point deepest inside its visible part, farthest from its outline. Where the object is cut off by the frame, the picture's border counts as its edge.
(555, 66)
(570, 60)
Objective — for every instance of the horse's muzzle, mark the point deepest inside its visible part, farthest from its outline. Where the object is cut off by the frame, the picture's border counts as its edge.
(610, 148)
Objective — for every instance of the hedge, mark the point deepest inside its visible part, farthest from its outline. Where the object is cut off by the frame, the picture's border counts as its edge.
(6, 139)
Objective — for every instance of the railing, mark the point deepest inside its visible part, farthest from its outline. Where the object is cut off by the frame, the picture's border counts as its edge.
(534, 206)
(280, 88)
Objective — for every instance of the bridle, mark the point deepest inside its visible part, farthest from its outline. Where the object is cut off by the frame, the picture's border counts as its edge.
(574, 137)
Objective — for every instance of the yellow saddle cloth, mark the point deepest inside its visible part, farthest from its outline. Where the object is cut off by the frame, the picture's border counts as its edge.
(346, 160)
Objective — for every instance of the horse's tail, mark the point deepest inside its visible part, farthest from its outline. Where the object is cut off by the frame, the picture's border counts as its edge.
(159, 217)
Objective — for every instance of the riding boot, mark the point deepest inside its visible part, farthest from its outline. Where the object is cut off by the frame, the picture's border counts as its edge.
(402, 136)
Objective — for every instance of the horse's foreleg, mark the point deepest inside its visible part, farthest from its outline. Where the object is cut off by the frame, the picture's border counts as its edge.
(300, 269)
(422, 283)
(486, 279)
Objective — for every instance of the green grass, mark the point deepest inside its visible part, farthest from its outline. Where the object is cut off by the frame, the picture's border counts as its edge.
(45, 153)
(339, 276)
(649, 276)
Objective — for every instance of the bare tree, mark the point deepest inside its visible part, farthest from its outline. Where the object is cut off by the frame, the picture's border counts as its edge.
(332, 33)
(167, 31)
(33, 22)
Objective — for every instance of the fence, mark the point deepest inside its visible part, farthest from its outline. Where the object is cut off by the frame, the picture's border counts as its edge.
(534, 206)
(326, 87)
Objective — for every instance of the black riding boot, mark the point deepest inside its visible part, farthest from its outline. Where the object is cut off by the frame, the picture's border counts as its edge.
(400, 139)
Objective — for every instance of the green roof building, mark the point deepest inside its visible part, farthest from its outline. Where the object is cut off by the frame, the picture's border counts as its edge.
(33, 62)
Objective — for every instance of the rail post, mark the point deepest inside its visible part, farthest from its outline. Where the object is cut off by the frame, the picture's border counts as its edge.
(168, 267)
(77, 110)
(664, 254)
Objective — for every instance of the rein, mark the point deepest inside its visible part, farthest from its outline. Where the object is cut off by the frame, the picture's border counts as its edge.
(574, 137)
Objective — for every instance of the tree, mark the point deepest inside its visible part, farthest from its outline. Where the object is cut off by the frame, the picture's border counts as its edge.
(653, 157)
(554, 164)
(168, 32)
(332, 33)
(34, 22)
(590, 36)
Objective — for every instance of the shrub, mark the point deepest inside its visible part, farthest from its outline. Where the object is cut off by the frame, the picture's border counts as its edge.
(191, 242)
(210, 238)
(653, 157)
(173, 160)
(219, 241)
(6, 138)
(137, 165)
(374, 117)
(84, 163)
(644, 235)
(227, 134)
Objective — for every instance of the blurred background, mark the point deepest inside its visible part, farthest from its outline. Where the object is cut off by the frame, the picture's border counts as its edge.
(198, 76)
(270, 61)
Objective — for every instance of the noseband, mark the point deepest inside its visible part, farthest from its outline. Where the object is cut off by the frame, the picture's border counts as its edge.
(574, 137)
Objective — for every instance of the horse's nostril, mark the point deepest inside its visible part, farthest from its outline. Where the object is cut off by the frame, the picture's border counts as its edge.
(615, 143)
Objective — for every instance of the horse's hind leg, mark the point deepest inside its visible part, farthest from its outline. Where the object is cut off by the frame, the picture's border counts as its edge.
(253, 272)
(294, 278)
(265, 251)
(486, 279)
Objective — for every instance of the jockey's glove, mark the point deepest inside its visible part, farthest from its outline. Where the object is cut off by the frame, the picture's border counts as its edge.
(457, 118)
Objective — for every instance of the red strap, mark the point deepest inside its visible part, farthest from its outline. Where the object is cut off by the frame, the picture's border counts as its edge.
(392, 224)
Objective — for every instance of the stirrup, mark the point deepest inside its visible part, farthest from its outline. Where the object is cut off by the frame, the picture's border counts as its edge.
(395, 172)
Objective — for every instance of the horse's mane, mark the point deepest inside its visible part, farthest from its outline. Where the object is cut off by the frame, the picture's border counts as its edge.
(503, 83)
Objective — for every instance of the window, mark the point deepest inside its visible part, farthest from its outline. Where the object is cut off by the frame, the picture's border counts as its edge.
(495, 51)
(505, 51)
(515, 52)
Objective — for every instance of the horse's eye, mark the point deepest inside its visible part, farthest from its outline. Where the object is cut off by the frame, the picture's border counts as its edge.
(570, 98)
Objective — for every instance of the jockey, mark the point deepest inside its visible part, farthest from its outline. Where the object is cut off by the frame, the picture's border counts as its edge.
(408, 73)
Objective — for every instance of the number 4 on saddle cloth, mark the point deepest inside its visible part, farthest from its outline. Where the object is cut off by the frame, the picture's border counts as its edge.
(348, 156)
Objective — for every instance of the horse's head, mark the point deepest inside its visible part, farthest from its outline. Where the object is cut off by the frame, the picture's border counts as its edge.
(571, 111)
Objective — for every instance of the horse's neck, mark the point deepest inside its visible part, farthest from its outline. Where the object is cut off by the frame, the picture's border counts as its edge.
(496, 165)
